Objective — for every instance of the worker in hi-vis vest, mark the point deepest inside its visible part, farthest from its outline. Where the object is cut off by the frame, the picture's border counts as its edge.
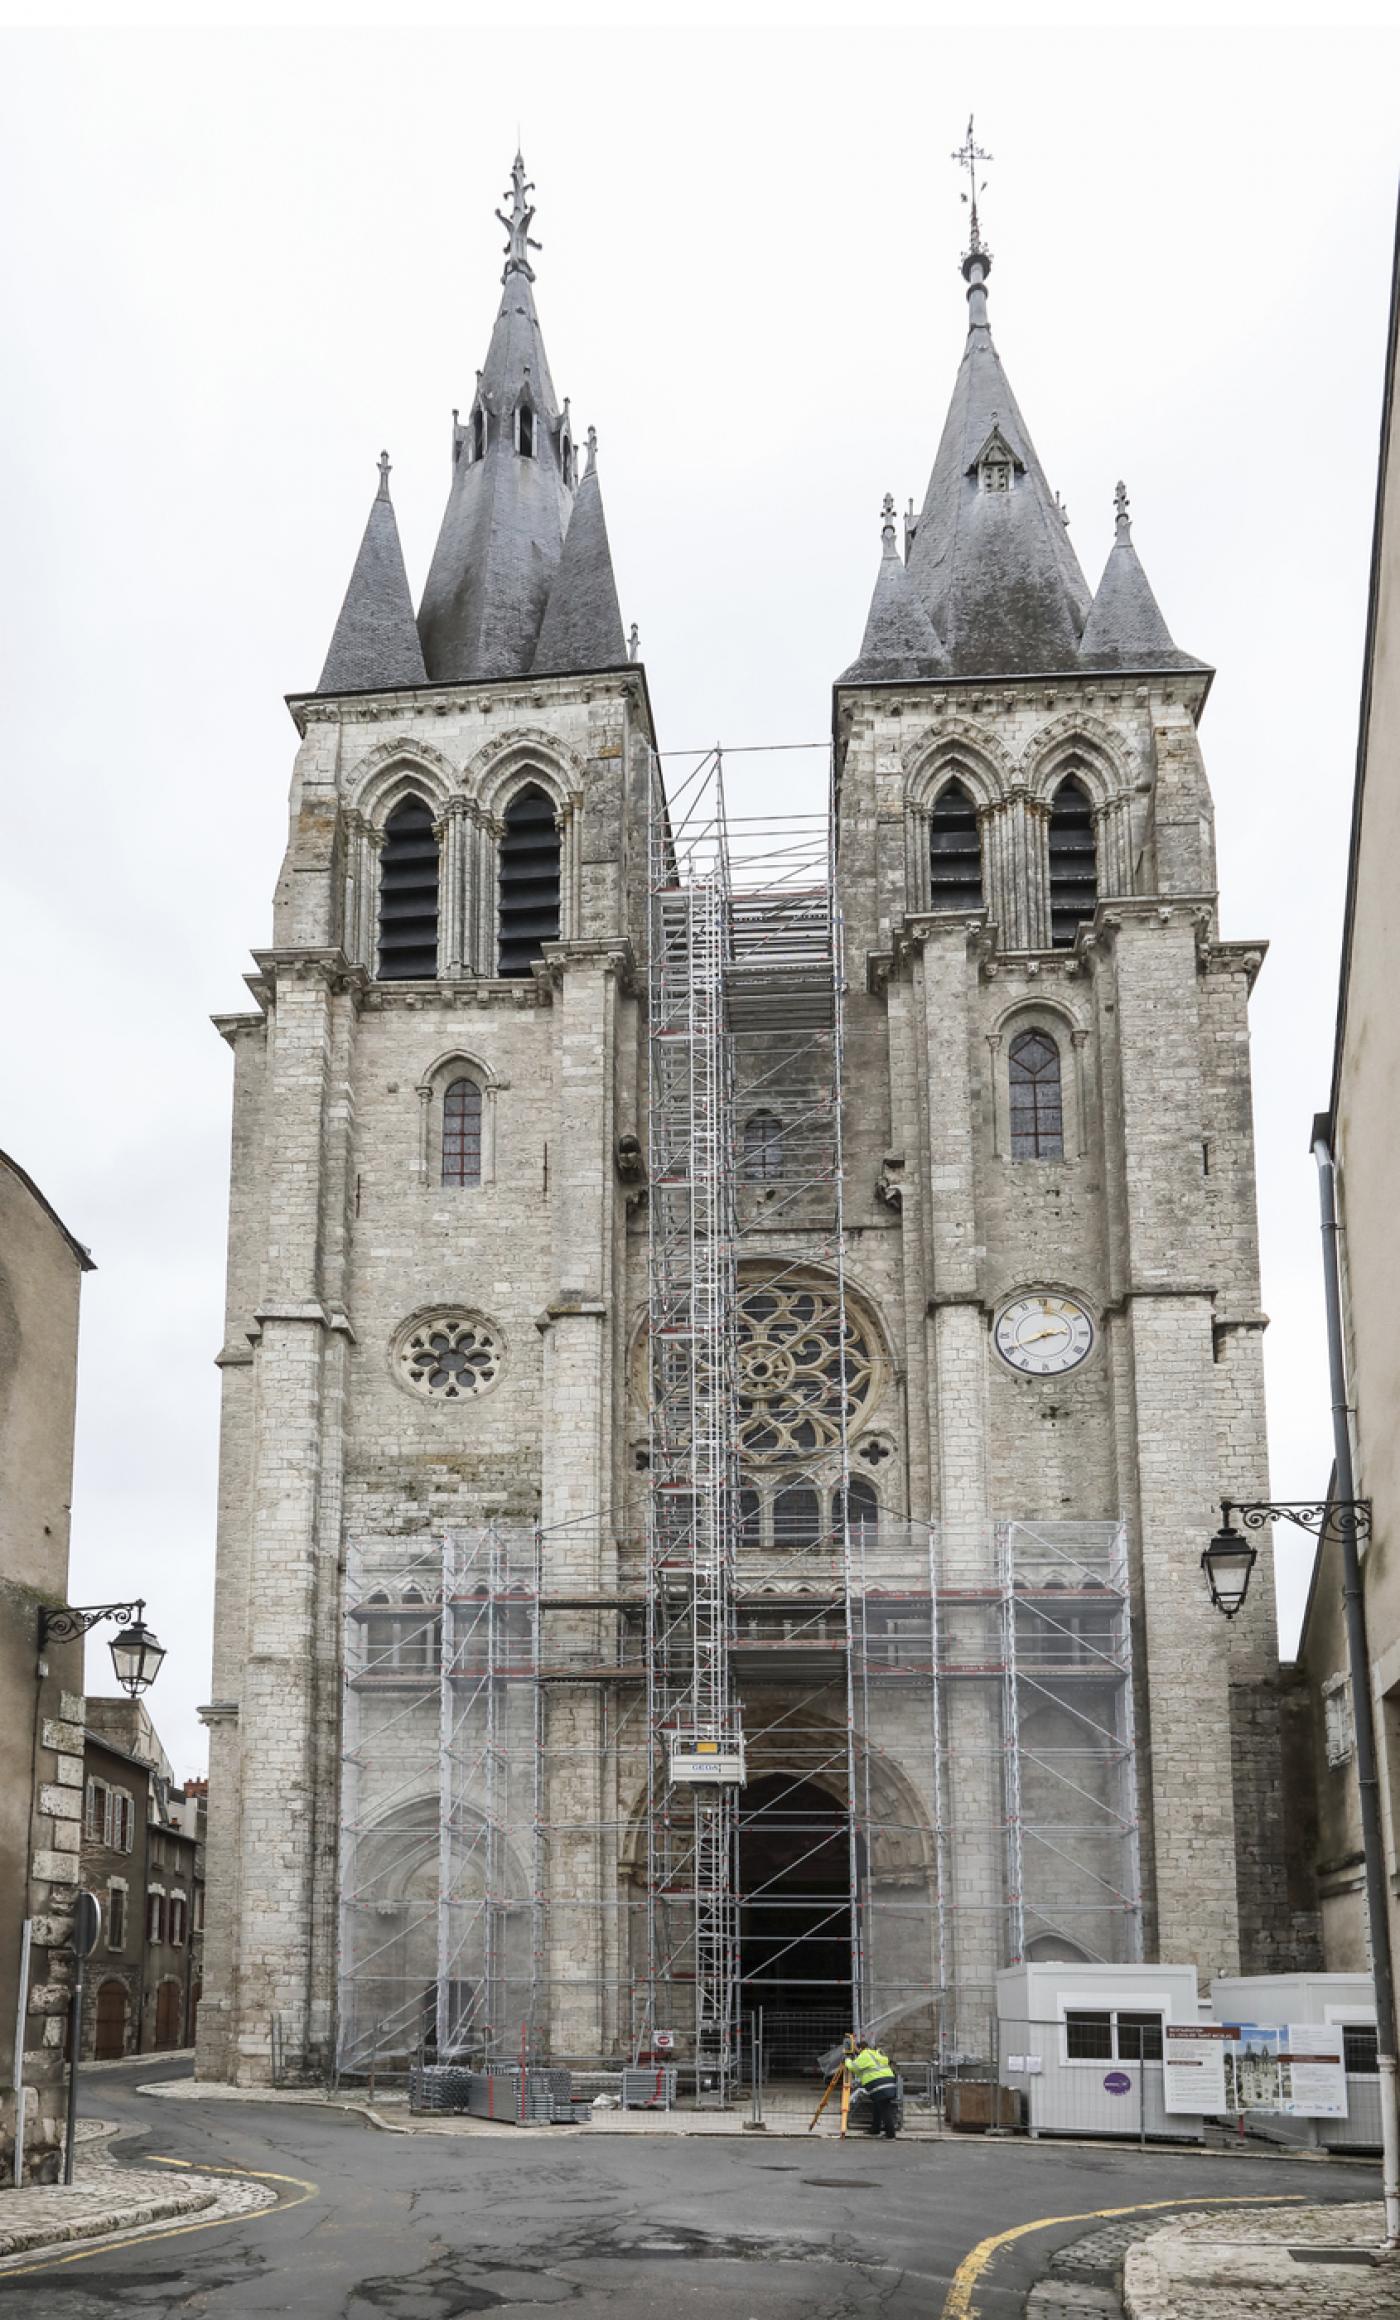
(872, 2074)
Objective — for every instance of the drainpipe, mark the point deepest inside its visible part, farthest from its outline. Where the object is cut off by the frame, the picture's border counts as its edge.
(1359, 1664)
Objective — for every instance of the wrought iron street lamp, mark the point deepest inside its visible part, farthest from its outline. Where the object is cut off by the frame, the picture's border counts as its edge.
(1230, 1558)
(136, 1654)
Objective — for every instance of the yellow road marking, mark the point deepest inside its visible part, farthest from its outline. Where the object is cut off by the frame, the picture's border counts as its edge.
(958, 2304)
(105, 2247)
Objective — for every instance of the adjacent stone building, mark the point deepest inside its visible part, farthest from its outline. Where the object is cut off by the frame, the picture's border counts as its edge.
(1038, 1347)
(41, 1708)
(142, 1858)
(1363, 1113)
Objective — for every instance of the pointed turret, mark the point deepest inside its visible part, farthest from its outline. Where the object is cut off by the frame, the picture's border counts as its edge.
(375, 642)
(583, 623)
(991, 559)
(900, 641)
(1125, 628)
(512, 489)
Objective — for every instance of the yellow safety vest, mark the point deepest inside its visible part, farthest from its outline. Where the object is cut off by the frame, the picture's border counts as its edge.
(871, 2068)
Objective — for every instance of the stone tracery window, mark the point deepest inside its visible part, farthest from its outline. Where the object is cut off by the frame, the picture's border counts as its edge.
(450, 1357)
(798, 1367)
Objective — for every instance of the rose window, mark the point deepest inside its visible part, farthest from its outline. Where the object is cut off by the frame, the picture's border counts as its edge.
(800, 1369)
(450, 1357)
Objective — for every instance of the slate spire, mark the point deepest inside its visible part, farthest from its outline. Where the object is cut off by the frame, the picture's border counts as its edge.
(900, 641)
(1125, 628)
(991, 558)
(512, 488)
(375, 643)
(582, 627)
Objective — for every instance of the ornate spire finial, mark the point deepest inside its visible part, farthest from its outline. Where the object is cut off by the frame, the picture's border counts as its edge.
(1122, 521)
(518, 224)
(887, 524)
(384, 473)
(592, 450)
(968, 155)
(634, 643)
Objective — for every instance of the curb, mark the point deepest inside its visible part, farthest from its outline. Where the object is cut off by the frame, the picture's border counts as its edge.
(53, 2232)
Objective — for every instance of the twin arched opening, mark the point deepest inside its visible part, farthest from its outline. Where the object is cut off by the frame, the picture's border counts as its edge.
(957, 874)
(528, 887)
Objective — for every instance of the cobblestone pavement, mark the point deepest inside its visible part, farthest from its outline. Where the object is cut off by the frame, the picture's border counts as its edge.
(107, 2198)
(1303, 2263)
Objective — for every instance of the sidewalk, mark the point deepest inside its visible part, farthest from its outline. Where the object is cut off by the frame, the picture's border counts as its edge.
(1296, 2263)
(105, 2199)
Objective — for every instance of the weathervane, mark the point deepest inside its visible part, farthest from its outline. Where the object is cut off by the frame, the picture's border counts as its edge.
(518, 224)
(967, 157)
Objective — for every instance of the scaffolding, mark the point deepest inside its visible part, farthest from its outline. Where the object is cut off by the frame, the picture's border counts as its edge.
(442, 1832)
(793, 1749)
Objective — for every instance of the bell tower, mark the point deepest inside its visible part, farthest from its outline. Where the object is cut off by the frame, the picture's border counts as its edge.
(1052, 1173)
(424, 1321)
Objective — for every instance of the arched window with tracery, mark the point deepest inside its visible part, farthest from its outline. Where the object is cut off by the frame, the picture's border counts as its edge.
(530, 862)
(1074, 884)
(763, 1148)
(797, 1518)
(955, 852)
(862, 1508)
(408, 895)
(461, 1133)
(1037, 1098)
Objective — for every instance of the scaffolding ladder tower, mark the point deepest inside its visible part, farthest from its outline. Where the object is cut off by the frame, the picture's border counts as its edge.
(695, 1757)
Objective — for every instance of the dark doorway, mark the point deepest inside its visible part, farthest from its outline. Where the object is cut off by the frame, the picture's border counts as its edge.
(110, 2037)
(794, 1917)
(168, 2014)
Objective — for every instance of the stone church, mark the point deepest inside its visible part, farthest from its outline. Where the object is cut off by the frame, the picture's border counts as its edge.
(993, 1311)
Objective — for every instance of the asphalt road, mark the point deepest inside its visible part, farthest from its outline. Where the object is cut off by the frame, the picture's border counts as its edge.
(426, 2228)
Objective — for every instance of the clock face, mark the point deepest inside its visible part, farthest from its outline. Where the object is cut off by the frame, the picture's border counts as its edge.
(1043, 1335)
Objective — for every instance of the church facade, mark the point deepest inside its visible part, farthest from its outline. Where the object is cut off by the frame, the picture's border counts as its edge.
(1049, 1338)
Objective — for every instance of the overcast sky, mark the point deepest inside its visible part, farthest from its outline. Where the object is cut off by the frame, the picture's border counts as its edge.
(237, 265)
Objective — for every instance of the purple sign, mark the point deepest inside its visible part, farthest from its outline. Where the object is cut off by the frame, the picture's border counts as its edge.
(1117, 2082)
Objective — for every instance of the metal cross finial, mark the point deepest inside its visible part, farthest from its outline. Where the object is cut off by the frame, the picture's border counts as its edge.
(384, 472)
(518, 224)
(967, 157)
(1122, 523)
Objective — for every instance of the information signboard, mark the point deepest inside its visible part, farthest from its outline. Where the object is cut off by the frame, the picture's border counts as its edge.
(1193, 2066)
(1292, 2069)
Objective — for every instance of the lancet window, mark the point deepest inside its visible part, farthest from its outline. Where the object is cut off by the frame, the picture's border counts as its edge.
(461, 1133)
(408, 895)
(1073, 869)
(1037, 1098)
(529, 879)
(955, 852)
(763, 1147)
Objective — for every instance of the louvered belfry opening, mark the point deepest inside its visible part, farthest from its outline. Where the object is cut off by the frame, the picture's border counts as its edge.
(529, 880)
(1074, 886)
(408, 895)
(955, 852)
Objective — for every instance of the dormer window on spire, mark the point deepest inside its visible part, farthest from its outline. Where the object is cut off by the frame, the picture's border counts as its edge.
(996, 464)
(525, 430)
(478, 433)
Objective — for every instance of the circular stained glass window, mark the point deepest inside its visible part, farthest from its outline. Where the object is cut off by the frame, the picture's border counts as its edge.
(450, 1357)
(800, 1366)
